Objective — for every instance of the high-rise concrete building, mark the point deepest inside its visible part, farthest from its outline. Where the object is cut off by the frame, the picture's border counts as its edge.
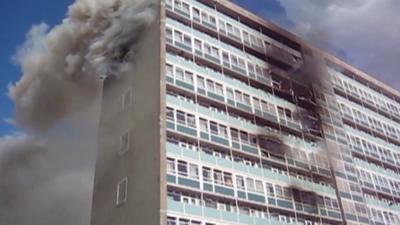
(229, 119)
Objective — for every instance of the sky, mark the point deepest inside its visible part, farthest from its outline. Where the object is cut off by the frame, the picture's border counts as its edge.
(17, 17)
(363, 32)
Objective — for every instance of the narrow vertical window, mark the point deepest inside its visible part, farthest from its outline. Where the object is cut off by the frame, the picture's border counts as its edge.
(170, 114)
(171, 166)
(170, 70)
(203, 125)
(124, 143)
(122, 191)
(240, 182)
(127, 99)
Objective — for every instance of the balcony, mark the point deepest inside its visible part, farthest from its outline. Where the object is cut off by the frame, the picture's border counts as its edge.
(235, 167)
(213, 214)
(282, 55)
(231, 37)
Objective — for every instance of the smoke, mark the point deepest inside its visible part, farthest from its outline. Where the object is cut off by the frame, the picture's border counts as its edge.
(61, 67)
(47, 171)
(327, 25)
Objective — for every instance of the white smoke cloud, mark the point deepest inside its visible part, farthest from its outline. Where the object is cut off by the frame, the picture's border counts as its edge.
(43, 181)
(364, 32)
(62, 66)
(47, 172)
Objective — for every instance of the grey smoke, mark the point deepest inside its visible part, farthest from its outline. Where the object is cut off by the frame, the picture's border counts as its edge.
(47, 172)
(361, 32)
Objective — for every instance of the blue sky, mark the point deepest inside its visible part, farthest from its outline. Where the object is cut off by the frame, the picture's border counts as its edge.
(17, 17)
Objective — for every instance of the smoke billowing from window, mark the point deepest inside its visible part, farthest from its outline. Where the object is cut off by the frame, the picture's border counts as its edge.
(47, 172)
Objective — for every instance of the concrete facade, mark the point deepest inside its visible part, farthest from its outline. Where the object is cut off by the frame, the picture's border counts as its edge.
(234, 120)
(140, 117)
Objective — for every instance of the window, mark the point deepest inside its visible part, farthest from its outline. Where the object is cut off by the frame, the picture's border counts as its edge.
(186, 119)
(179, 74)
(288, 114)
(228, 179)
(268, 107)
(210, 85)
(191, 120)
(195, 222)
(335, 204)
(180, 117)
(253, 140)
(229, 27)
(200, 82)
(244, 138)
(246, 37)
(198, 46)
(203, 125)
(207, 49)
(241, 63)
(361, 209)
(214, 127)
(208, 19)
(210, 203)
(218, 179)
(215, 52)
(187, 40)
(250, 67)
(259, 70)
(127, 99)
(185, 7)
(234, 134)
(183, 222)
(223, 131)
(178, 36)
(246, 99)
(169, 34)
(219, 89)
(278, 190)
(229, 93)
(236, 31)
(225, 58)
(171, 221)
(259, 187)
(122, 191)
(256, 103)
(240, 182)
(212, 20)
(222, 25)
(170, 70)
(250, 184)
(196, 14)
(234, 60)
(189, 77)
(244, 210)
(170, 165)
(270, 189)
(124, 143)
(193, 171)
(207, 174)
(182, 168)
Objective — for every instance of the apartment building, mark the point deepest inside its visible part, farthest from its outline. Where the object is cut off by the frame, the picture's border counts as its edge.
(228, 119)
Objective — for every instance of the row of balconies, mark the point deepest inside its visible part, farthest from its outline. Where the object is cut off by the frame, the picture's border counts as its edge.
(233, 35)
(309, 127)
(248, 150)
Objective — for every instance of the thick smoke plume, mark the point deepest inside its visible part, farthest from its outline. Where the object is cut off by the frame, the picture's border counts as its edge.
(47, 172)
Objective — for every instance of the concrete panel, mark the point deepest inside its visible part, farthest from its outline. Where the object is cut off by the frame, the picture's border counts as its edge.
(144, 162)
